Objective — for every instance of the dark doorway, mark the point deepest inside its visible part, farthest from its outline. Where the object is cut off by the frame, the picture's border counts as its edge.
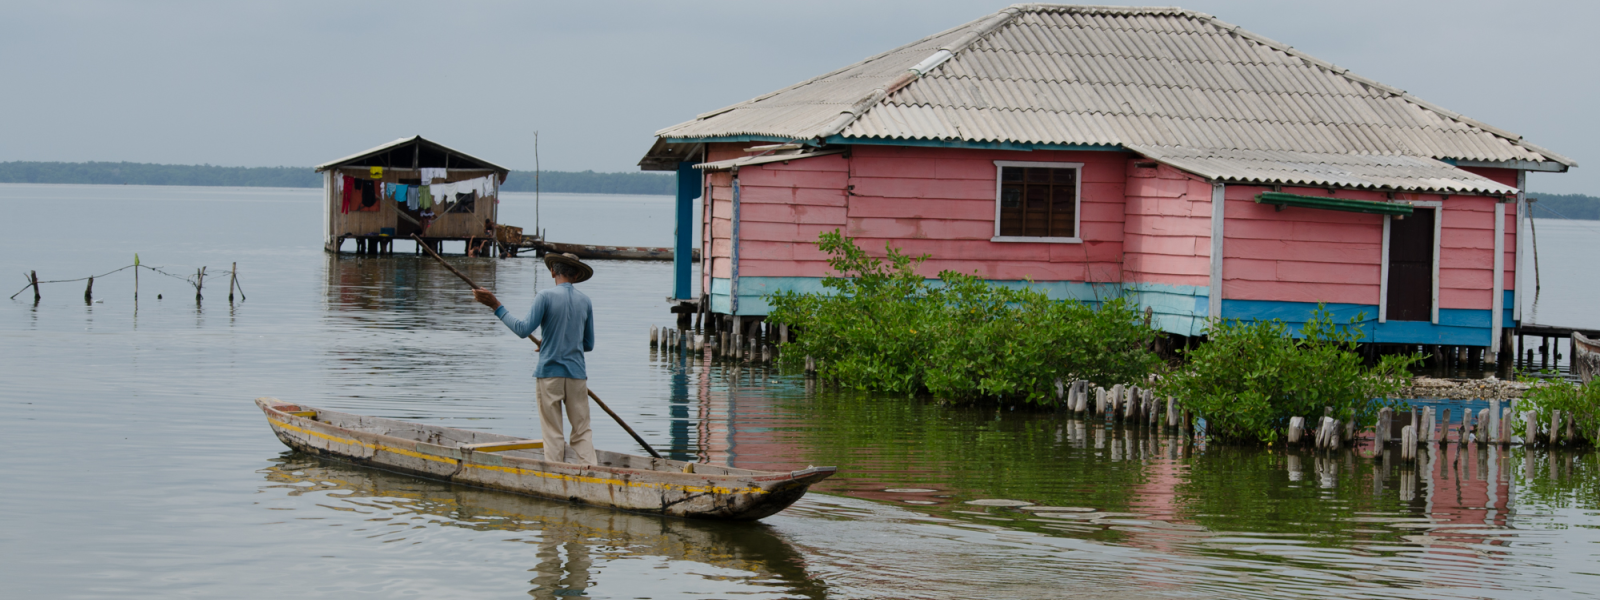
(1411, 267)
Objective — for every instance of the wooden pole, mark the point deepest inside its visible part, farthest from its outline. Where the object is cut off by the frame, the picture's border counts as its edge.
(537, 344)
(88, 292)
(199, 282)
(233, 281)
(33, 278)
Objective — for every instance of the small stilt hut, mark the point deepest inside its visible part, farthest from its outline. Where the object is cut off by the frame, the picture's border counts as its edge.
(410, 186)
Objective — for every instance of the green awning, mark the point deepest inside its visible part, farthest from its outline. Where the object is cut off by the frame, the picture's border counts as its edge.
(1281, 200)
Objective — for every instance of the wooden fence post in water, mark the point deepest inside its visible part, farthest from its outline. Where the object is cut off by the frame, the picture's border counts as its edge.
(1481, 427)
(1494, 422)
(33, 280)
(653, 335)
(1555, 427)
(199, 282)
(1172, 412)
(233, 281)
(1296, 424)
(1408, 443)
(1099, 400)
(1444, 435)
(1530, 427)
(1381, 434)
(88, 292)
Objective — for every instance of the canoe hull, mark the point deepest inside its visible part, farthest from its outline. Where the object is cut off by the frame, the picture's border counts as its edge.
(1585, 357)
(741, 496)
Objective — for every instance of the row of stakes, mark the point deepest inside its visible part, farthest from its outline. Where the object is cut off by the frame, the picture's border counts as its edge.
(726, 345)
(1490, 425)
(198, 282)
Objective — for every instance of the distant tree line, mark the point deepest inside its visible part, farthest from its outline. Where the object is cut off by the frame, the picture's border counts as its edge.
(1566, 206)
(1551, 206)
(126, 173)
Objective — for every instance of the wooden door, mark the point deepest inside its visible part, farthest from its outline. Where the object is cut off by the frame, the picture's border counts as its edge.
(1411, 267)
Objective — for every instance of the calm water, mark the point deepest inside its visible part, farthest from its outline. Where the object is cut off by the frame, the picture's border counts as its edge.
(137, 466)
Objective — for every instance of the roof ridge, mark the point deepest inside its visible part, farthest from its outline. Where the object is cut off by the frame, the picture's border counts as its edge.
(1510, 137)
(983, 28)
(706, 115)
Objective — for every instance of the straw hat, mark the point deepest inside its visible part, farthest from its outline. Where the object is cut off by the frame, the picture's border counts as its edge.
(584, 271)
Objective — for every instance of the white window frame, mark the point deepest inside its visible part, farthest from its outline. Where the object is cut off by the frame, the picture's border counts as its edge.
(1077, 199)
(1383, 285)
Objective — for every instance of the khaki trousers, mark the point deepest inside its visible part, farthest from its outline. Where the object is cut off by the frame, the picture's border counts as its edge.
(573, 394)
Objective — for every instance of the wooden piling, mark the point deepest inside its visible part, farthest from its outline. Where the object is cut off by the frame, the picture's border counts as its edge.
(1493, 426)
(811, 365)
(1172, 412)
(653, 336)
(1479, 425)
(1555, 427)
(88, 292)
(33, 280)
(1444, 435)
(1385, 418)
(199, 282)
(233, 281)
(1408, 443)
(1099, 400)
(1296, 425)
(1530, 428)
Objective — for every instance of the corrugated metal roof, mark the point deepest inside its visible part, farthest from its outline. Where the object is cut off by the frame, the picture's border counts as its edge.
(1129, 76)
(1312, 169)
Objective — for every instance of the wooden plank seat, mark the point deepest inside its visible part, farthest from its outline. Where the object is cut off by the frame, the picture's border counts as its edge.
(503, 446)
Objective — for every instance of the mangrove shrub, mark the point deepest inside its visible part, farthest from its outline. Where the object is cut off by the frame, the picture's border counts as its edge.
(1252, 376)
(1577, 403)
(880, 326)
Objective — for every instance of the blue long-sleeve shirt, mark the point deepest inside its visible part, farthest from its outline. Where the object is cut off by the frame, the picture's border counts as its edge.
(567, 318)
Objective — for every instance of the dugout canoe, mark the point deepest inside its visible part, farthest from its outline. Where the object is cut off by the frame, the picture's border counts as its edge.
(1585, 356)
(622, 481)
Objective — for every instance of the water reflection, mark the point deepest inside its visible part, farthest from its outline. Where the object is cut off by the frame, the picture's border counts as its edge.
(1463, 517)
(574, 545)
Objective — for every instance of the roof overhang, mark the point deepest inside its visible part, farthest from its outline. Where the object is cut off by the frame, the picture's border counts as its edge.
(1384, 173)
(667, 153)
(761, 159)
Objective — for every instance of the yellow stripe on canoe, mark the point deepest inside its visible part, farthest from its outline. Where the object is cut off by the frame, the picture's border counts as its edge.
(693, 489)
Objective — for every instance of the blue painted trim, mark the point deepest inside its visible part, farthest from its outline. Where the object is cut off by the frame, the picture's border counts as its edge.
(1457, 327)
(1180, 309)
(683, 236)
(1508, 309)
(1019, 146)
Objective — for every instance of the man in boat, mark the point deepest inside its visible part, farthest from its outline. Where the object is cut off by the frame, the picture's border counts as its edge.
(567, 319)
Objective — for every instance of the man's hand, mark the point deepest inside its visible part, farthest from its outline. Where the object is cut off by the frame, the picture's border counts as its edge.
(486, 297)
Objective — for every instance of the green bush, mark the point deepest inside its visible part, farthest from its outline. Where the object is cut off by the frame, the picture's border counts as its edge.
(1252, 376)
(1579, 402)
(881, 326)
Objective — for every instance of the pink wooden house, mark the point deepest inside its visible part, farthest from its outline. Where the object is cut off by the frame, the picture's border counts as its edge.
(1159, 153)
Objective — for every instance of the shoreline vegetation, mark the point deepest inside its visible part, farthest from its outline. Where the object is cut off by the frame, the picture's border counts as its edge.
(126, 173)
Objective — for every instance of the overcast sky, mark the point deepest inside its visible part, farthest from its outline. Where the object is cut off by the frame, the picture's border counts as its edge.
(298, 83)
